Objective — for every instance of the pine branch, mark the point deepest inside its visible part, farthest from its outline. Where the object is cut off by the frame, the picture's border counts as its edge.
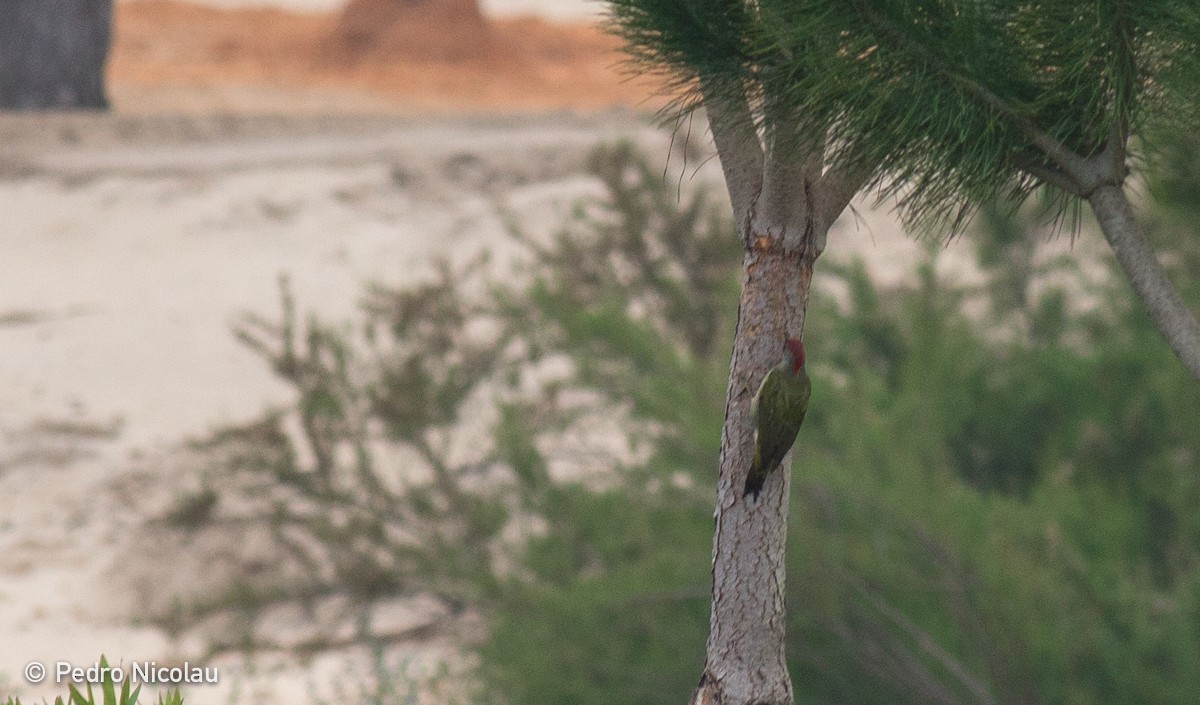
(1171, 315)
(1032, 164)
(838, 187)
(738, 146)
(1056, 151)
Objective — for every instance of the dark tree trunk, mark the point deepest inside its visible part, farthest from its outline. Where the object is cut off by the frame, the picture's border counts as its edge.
(53, 53)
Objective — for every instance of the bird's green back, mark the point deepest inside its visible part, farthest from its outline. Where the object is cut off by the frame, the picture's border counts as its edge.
(783, 397)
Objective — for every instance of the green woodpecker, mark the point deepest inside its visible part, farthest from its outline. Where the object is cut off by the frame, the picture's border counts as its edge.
(778, 409)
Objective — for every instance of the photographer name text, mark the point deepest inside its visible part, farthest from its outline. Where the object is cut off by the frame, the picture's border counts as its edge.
(137, 673)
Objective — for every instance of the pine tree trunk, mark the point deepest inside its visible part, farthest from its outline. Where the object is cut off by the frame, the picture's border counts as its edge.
(785, 202)
(53, 53)
(746, 663)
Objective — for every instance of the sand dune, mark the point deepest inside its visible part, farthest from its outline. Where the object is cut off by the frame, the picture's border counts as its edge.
(129, 246)
(170, 56)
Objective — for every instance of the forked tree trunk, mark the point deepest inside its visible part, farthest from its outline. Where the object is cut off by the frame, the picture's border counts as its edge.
(785, 203)
(53, 53)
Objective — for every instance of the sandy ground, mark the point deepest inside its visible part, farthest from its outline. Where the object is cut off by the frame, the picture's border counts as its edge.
(131, 244)
(244, 145)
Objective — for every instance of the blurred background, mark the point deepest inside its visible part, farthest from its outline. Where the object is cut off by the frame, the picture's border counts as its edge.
(375, 352)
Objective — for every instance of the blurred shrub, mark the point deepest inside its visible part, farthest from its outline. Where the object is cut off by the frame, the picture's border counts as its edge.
(990, 508)
(993, 507)
(449, 446)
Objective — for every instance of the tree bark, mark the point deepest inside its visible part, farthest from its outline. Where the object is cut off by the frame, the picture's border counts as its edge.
(1167, 308)
(785, 206)
(745, 661)
(53, 53)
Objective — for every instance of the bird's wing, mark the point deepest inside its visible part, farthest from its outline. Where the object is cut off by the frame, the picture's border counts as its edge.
(788, 396)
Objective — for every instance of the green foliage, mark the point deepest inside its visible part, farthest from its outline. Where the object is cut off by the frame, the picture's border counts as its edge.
(1018, 501)
(364, 487)
(616, 610)
(431, 435)
(989, 507)
(944, 96)
(634, 297)
(686, 42)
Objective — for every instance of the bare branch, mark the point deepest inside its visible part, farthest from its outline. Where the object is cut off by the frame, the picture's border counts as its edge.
(795, 156)
(741, 152)
(927, 644)
(1167, 308)
(1049, 175)
(1116, 150)
(837, 187)
(1063, 157)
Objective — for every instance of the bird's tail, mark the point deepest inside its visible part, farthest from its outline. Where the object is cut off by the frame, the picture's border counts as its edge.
(754, 484)
(757, 475)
